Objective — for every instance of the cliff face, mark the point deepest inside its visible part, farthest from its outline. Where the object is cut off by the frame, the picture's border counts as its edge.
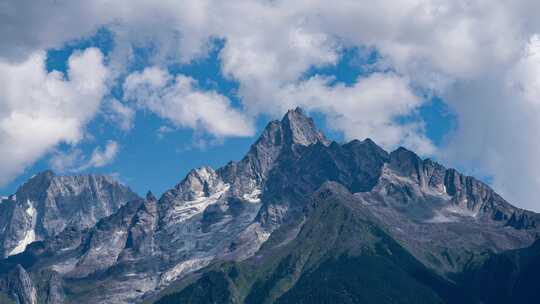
(47, 204)
(21, 287)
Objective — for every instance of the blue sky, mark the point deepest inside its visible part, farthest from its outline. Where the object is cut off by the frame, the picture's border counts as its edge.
(148, 96)
(149, 160)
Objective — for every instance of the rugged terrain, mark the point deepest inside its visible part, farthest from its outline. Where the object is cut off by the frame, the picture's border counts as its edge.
(299, 219)
(46, 204)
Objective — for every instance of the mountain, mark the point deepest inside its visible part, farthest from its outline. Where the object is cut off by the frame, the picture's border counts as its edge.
(299, 219)
(507, 277)
(46, 204)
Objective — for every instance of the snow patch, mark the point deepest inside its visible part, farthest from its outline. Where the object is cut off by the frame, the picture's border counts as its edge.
(183, 268)
(249, 242)
(187, 209)
(441, 218)
(440, 191)
(30, 235)
(204, 173)
(31, 211)
(461, 211)
(12, 197)
(253, 197)
(65, 266)
(451, 214)
(255, 235)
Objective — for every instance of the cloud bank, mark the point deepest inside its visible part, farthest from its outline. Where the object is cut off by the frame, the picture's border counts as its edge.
(178, 100)
(480, 57)
(39, 110)
(75, 160)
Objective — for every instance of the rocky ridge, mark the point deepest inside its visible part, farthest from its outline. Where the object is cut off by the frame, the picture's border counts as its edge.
(46, 204)
(248, 211)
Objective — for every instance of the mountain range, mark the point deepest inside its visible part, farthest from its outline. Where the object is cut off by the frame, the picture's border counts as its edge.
(299, 219)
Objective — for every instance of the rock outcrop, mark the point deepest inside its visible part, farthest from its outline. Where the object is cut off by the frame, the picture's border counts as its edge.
(46, 204)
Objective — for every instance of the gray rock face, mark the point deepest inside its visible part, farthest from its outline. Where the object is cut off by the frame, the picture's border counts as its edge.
(444, 218)
(148, 244)
(47, 204)
(128, 252)
(210, 215)
(21, 286)
(356, 165)
(54, 293)
(279, 137)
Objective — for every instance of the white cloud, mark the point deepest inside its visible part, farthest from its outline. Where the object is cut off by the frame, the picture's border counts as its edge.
(120, 114)
(38, 109)
(524, 76)
(268, 46)
(498, 119)
(178, 100)
(469, 52)
(74, 159)
(66, 161)
(102, 157)
(480, 56)
(26, 26)
(162, 131)
(371, 107)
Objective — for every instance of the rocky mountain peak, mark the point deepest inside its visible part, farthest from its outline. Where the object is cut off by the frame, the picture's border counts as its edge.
(200, 182)
(150, 196)
(48, 183)
(406, 163)
(295, 129)
(46, 174)
(36, 185)
(300, 129)
(47, 203)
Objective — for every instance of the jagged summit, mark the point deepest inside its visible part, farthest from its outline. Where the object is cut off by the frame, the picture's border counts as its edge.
(46, 174)
(279, 137)
(197, 183)
(300, 129)
(47, 203)
(150, 196)
(294, 128)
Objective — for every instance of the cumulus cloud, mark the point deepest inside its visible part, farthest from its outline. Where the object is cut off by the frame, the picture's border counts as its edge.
(120, 114)
(498, 119)
(74, 160)
(66, 161)
(178, 100)
(480, 56)
(371, 107)
(102, 157)
(162, 131)
(39, 109)
(271, 48)
(26, 26)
